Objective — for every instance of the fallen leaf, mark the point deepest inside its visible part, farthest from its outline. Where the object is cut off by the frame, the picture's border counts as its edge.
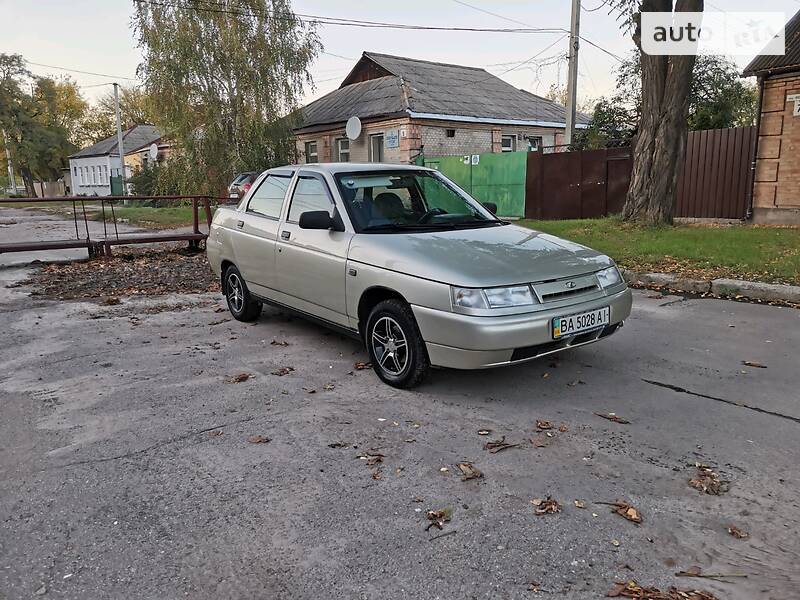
(542, 425)
(707, 481)
(438, 518)
(738, 533)
(615, 543)
(576, 382)
(469, 471)
(444, 470)
(279, 343)
(360, 366)
(546, 506)
(533, 586)
(215, 433)
(563, 428)
(377, 475)
(418, 499)
(545, 375)
(495, 446)
(283, 371)
(239, 378)
(484, 431)
(580, 504)
(338, 445)
(540, 441)
(111, 301)
(310, 390)
(219, 309)
(328, 387)
(613, 417)
(631, 589)
(258, 439)
(372, 458)
(623, 509)
(755, 365)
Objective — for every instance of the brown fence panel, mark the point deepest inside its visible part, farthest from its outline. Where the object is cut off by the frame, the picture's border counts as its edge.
(713, 180)
(561, 176)
(593, 184)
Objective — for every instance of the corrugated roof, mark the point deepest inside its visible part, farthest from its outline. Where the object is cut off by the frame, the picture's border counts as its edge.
(431, 88)
(134, 138)
(776, 63)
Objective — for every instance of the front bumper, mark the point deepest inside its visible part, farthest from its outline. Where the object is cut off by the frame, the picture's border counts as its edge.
(467, 342)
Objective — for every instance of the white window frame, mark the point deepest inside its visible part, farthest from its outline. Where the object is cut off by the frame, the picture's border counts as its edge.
(315, 153)
(340, 152)
(105, 174)
(371, 138)
(504, 138)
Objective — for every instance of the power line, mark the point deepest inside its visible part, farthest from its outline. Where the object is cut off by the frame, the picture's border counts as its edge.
(79, 71)
(323, 20)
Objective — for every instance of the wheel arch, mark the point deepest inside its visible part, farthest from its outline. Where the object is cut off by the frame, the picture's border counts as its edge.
(369, 299)
(223, 267)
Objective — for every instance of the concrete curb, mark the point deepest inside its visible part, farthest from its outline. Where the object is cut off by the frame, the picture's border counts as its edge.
(734, 288)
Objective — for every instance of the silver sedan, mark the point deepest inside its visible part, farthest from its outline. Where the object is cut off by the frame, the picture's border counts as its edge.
(403, 259)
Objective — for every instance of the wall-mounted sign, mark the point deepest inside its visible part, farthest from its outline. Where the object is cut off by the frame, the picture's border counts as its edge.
(796, 99)
(392, 138)
(476, 159)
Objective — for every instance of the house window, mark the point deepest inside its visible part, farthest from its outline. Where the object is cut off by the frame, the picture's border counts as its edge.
(376, 148)
(311, 152)
(343, 150)
(535, 142)
(105, 173)
(508, 143)
(450, 133)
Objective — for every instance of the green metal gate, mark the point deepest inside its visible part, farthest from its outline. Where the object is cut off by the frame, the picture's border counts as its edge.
(491, 177)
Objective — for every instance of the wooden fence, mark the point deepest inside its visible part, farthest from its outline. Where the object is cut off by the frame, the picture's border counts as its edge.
(713, 182)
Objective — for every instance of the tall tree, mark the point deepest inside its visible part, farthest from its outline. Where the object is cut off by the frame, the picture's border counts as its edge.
(661, 139)
(224, 80)
(37, 139)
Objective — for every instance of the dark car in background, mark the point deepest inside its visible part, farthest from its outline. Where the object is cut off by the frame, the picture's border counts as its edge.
(240, 184)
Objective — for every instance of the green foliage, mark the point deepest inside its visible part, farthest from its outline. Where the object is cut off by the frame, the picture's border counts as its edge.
(718, 98)
(143, 181)
(224, 84)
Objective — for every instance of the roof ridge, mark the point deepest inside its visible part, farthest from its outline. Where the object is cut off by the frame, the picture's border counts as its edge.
(370, 54)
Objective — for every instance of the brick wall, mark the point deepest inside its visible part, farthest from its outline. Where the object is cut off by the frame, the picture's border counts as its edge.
(777, 177)
(359, 149)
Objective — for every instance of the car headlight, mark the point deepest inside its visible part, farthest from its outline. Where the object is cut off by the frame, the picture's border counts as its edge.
(608, 277)
(504, 297)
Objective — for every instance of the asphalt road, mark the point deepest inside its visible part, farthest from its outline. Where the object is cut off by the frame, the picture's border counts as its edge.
(126, 470)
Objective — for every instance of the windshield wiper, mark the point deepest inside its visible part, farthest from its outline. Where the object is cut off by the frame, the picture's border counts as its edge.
(406, 226)
(481, 222)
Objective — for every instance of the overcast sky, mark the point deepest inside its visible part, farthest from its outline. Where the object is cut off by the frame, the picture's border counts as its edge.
(95, 35)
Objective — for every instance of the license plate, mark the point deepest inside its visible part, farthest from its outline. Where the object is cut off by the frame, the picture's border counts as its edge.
(586, 321)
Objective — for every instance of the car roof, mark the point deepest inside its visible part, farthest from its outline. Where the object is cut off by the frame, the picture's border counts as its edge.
(347, 167)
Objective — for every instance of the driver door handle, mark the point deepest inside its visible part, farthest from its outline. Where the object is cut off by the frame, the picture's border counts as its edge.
(240, 224)
(285, 235)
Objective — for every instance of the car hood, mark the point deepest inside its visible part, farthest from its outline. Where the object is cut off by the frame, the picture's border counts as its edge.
(483, 257)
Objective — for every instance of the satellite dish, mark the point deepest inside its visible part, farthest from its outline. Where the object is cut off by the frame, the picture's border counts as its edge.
(353, 128)
(153, 152)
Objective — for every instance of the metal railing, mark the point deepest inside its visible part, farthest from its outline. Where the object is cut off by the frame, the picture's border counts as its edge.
(101, 245)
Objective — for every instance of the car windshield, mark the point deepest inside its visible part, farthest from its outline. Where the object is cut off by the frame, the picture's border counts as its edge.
(391, 201)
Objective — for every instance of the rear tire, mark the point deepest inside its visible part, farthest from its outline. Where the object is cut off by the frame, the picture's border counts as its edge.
(395, 345)
(242, 305)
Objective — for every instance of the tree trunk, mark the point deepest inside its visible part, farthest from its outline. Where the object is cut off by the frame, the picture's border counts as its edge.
(27, 178)
(661, 140)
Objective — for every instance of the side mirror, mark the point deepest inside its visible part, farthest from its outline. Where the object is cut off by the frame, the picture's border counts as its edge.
(491, 207)
(320, 219)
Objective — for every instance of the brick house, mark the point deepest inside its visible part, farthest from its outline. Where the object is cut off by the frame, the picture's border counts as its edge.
(776, 185)
(409, 106)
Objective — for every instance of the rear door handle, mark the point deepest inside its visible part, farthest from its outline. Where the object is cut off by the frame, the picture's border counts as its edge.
(240, 224)
(285, 235)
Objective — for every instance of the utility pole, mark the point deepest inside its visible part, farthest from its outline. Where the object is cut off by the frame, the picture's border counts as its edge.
(11, 180)
(572, 78)
(119, 141)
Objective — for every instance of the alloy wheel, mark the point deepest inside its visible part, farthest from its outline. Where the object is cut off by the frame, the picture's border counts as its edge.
(235, 292)
(389, 345)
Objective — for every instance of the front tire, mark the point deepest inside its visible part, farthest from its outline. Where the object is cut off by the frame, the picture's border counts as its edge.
(242, 305)
(395, 346)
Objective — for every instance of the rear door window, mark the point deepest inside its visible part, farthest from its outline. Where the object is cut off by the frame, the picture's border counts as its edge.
(267, 200)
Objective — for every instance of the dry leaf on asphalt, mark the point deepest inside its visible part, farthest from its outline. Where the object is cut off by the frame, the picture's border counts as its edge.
(623, 509)
(738, 533)
(542, 425)
(258, 439)
(495, 446)
(377, 475)
(469, 471)
(540, 441)
(631, 589)
(360, 366)
(580, 504)
(279, 343)
(215, 433)
(484, 431)
(708, 481)
(613, 417)
(755, 365)
(239, 378)
(438, 518)
(338, 445)
(328, 387)
(372, 458)
(283, 371)
(563, 428)
(111, 301)
(545, 506)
